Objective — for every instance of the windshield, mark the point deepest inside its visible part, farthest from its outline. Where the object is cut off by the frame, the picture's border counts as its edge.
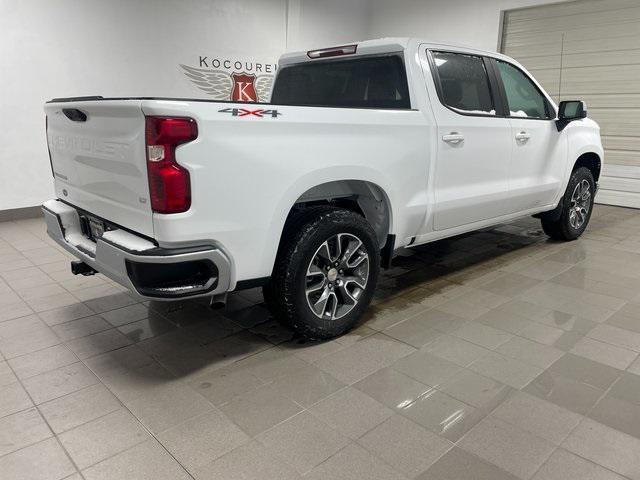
(366, 82)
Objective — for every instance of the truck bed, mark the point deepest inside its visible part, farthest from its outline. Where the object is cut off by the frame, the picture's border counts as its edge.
(248, 166)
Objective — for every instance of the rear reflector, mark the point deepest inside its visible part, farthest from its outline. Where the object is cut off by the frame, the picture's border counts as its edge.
(333, 51)
(169, 183)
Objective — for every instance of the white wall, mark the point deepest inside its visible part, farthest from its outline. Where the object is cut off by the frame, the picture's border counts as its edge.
(468, 22)
(112, 48)
(321, 23)
(132, 48)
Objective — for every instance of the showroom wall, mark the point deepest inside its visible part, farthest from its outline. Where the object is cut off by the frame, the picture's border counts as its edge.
(467, 22)
(318, 23)
(111, 48)
(128, 48)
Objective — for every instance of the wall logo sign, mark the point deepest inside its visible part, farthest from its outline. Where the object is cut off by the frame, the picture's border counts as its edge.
(235, 80)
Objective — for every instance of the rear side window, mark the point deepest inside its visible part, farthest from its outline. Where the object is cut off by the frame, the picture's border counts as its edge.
(373, 82)
(464, 83)
(523, 97)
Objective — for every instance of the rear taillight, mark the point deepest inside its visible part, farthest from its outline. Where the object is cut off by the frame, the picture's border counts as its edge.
(169, 184)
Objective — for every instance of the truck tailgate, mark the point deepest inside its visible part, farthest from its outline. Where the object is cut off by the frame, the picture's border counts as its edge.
(98, 158)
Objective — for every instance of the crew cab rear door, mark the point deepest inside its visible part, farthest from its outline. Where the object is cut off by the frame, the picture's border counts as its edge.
(97, 150)
(474, 142)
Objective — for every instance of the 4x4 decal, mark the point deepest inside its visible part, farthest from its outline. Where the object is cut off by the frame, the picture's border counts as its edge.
(245, 112)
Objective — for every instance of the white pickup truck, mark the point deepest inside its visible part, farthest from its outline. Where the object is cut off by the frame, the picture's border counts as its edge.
(365, 149)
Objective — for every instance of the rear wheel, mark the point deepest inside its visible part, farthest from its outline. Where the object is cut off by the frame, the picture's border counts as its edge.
(325, 273)
(576, 209)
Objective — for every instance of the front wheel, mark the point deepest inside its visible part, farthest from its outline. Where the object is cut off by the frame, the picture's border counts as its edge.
(576, 208)
(325, 273)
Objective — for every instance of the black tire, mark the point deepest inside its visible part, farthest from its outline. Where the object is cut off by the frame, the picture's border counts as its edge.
(286, 293)
(563, 227)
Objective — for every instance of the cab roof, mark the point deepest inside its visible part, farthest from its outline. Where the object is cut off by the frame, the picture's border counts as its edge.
(380, 45)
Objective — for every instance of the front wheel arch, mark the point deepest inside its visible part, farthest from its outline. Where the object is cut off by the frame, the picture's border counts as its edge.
(592, 162)
(589, 160)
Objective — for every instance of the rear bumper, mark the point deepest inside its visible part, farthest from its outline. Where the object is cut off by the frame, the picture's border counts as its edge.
(136, 263)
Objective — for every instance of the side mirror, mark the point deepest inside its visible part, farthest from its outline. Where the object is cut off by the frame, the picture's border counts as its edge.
(569, 111)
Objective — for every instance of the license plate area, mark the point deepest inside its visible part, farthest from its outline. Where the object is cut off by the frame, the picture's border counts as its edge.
(93, 228)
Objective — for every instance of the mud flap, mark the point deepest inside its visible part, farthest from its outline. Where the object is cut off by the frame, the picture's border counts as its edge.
(552, 215)
(386, 254)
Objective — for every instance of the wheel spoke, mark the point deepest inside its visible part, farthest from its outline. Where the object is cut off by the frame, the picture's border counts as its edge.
(323, 252)
(577, 193)
(338, 250)
(583, 215)
(316, 278)
(348, 297)
(353, 279)
(334, 305)
(352, 248)
(358, 261)
(315, 287)
(572, 218)
(314, 270)
(321, 304)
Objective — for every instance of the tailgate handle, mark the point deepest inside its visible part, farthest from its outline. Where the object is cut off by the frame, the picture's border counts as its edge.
(74, 114)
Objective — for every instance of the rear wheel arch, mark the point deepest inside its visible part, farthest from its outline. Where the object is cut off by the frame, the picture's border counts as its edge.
(360, 196)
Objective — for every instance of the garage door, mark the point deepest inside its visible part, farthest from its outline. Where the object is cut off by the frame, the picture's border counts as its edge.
(590, 50)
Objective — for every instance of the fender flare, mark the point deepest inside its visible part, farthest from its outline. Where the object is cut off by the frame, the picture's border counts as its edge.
(316, 178)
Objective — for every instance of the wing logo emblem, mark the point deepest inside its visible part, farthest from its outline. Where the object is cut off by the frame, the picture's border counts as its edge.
(236, 86)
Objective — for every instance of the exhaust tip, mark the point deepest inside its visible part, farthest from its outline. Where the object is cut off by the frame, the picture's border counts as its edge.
(218, 302)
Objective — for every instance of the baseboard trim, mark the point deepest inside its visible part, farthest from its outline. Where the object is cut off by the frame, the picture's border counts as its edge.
(20, 213)
(618, 198)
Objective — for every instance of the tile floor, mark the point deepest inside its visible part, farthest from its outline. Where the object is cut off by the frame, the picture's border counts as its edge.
(496, 355)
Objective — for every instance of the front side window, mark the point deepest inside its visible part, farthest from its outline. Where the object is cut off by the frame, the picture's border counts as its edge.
(373, 82)
(523, 97)
(464, 83)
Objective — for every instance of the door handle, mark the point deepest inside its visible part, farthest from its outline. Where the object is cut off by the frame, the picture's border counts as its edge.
(454, 138)
(523, 136)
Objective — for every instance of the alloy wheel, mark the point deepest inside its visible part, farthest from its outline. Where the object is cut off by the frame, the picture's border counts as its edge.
(580, 204)
(337, 276)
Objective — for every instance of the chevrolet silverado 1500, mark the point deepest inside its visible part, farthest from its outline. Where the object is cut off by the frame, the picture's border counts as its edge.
(364, 149)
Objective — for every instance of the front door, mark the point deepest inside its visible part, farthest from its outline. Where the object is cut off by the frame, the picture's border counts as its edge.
(474, 143)
(539, 156)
